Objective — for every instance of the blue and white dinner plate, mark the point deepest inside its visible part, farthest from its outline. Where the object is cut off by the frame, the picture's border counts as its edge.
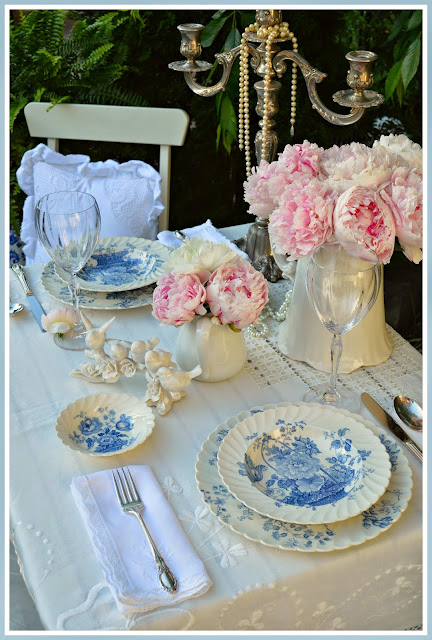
(303, 537)
(59, 290)
(121, 264)
(301, 464)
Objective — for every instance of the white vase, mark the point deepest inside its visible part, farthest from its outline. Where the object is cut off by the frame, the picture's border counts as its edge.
(303, 337)
(219, 350)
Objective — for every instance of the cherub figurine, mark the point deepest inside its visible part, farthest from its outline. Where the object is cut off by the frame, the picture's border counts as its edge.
(112, 358)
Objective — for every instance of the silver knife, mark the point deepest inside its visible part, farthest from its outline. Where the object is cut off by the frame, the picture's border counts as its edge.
(35, 307)
(387, 421)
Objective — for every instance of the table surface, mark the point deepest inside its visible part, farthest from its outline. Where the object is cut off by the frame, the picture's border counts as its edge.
(376, 585)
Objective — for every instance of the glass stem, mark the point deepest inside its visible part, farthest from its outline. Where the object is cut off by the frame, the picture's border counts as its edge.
(331, 395)
(75, 298)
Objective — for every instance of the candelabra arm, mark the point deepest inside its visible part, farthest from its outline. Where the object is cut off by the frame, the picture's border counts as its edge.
(227, 60)
(312, 77)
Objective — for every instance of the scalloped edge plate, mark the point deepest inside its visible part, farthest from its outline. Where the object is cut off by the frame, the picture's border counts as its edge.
(375, 470)
(126, 408)
(152, 253)
(58, 290)
(299, 537)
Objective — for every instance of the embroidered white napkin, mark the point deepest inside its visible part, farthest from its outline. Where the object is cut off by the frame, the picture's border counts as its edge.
(206, 231)
(121, 547)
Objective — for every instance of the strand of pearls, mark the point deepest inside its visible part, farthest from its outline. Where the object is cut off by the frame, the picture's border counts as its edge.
(267, 33)
(260, 328)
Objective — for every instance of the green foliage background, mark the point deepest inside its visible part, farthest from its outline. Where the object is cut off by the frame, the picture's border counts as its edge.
(121, 57)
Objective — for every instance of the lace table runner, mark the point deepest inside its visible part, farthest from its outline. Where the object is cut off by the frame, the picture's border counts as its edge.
(268, 365)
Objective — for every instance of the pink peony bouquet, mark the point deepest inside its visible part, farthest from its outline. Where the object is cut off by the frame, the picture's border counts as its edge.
(369, 195)
(203, 277)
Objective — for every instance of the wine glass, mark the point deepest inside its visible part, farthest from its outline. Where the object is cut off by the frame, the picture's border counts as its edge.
(342, 282)
(68, 226)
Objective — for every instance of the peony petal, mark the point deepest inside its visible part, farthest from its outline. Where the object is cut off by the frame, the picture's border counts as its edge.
(58, 327)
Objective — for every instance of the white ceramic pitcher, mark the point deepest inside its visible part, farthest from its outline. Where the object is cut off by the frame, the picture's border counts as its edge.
(219, 350)
(303, 337)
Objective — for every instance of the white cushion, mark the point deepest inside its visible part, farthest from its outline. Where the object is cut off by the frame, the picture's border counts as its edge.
(128, 194)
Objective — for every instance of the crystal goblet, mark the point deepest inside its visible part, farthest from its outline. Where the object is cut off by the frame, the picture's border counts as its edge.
(342, 283)
(68, 226)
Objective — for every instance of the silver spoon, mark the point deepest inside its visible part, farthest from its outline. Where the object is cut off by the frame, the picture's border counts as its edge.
(15, 307)
(409, 412)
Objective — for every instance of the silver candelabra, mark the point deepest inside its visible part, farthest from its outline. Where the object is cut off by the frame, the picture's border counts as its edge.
(358, 98)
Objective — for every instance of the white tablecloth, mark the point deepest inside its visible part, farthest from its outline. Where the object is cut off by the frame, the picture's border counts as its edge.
(376, 585)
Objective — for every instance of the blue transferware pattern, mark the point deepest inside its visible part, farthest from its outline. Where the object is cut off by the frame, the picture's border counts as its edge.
(117, 268)
(107, 432)
(120, 264)
(299, 537)
(16, 254)
(305, 472)
(58, 290)
(306, 469)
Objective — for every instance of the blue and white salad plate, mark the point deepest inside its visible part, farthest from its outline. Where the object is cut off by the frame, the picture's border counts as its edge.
(121, 264)
(303, 537)
(105, 424)
(300, 464)
(59, 290)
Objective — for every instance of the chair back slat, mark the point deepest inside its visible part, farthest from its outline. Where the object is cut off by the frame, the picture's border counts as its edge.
(139, 125)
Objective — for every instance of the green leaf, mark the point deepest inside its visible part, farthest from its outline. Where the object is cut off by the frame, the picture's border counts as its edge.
(400, 91)
(233, 40)
(228, 122)
(411, 62)
(38, 94)
(398, 25)
(218, 135)
(392, 80)
(211, 30)
(218, 14)
(16, 106)
(415, 20)
(218, 101)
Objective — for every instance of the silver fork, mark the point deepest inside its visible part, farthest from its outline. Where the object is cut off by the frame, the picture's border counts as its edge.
(131, 502)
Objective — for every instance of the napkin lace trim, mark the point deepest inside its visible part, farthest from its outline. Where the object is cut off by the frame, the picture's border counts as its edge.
(102, 541)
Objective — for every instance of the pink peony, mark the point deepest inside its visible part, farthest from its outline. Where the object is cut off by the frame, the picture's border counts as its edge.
(301, 160)
(404, 196)
(256, 190)
(303, 219)
(177, 298)
(237, 293)
(356, 164)
(268, 181)
(362, 216)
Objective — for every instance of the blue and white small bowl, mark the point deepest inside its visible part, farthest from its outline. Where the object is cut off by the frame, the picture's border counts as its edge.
(105, 424)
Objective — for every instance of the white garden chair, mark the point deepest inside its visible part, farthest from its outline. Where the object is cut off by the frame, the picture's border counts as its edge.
(141, 125)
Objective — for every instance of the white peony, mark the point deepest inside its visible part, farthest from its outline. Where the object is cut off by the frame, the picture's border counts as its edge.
(402, 146)
(199, 256)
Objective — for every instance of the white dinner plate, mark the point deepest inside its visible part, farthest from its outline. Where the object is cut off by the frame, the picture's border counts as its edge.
(121, 264)
(301, 537)
(59, 290)
(304, 464)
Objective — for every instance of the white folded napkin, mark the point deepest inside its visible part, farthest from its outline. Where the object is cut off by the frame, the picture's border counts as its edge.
(206, 231)
(121, 547)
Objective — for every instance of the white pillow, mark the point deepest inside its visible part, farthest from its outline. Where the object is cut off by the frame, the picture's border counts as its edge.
(128, 194)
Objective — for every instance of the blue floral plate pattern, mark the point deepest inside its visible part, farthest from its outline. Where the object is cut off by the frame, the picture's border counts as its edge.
(121, 264)
(310, 467)
(105, 424)
(58, 290)
(303, 537)
(302, 465)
